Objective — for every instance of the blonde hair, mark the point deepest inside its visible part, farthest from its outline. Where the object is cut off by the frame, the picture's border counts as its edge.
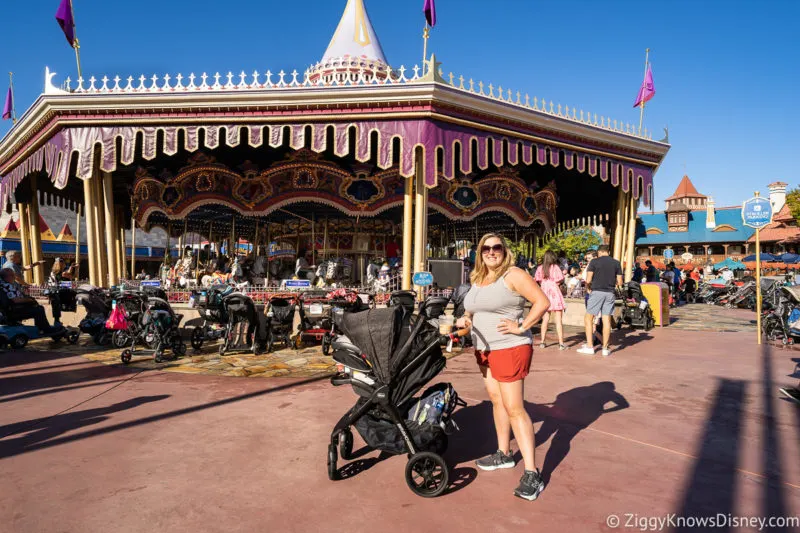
(58, 267)
(481, 272)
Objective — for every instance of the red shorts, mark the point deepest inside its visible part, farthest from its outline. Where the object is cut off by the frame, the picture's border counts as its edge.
(507, 365)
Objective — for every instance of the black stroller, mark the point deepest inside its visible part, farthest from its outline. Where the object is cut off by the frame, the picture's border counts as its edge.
(97, 303)
(224, 313)
(636, 311)
(280, 321)
(158, 330)
(387, 362)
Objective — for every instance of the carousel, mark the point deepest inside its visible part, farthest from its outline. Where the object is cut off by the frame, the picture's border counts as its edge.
(353, 161)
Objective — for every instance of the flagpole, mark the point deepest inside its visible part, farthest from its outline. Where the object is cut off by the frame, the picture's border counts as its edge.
(77, 45)
(13, 100)
(426, 33)
(646, 63)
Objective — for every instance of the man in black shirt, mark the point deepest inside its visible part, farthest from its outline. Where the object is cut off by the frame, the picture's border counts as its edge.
(603, 276)
(650, 272)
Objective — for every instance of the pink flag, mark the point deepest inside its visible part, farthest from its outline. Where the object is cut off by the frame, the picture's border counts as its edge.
(8, 108)
(430, 12)
(648, 89)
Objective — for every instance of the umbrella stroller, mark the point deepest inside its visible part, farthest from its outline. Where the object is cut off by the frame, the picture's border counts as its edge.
(386, 364)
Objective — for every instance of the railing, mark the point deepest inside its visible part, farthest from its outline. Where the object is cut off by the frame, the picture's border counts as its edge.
(360, 73)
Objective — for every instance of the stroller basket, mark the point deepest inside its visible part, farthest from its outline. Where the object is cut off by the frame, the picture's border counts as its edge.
(384, 435)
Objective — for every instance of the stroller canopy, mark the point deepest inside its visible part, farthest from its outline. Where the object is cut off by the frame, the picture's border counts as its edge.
(377, 333)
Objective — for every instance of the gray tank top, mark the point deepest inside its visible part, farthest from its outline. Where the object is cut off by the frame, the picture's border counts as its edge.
(488, 306)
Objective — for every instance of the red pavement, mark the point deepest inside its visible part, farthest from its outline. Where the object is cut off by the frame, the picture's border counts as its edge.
(92, 448)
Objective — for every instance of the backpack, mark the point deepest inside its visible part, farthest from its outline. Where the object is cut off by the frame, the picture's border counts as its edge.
(435, 406)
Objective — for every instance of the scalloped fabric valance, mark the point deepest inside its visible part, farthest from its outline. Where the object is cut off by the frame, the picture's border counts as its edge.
(430, 136)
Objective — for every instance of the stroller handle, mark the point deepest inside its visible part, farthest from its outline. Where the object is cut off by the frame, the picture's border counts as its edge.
(456, 335)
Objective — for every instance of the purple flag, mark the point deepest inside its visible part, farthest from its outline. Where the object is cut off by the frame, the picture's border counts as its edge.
(65, 20)
(430, 12)
(648, 89)
(7, 109)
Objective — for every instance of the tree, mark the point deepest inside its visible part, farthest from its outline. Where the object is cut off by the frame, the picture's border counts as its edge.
(793, 201)
(571, 242)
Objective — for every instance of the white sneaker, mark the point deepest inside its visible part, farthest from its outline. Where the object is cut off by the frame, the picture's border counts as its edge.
(585, 350)
(606, 352)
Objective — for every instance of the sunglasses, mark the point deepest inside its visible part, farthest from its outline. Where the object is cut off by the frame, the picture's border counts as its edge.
(497, 248)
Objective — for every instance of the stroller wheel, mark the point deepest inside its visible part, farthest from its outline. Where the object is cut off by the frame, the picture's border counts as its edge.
(179, 349)
(159, 357)
(198, 336)
(72, 338)
(346, 444)
(120, 339)
(326, 344)
(427, 474)
(102, 338)
(270, 341)
(126, 356)
(333, 473)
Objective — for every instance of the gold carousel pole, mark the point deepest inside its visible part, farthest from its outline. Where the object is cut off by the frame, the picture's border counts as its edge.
(408, 211)
(133, 247)
(77, 274)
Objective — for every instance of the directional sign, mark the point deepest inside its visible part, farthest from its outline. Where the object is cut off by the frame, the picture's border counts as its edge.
(757, 212)
(423, 279)
(151, 283)
(669, 254)
(297, 283)
(65, 284)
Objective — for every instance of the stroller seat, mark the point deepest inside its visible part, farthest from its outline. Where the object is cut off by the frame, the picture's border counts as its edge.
(349, 355)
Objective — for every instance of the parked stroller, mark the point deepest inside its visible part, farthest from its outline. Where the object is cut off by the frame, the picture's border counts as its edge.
(636, 310)
(97, 303)
(280, 321)
(158, 330)
(386, 363)
(225, 311)
(316, 317)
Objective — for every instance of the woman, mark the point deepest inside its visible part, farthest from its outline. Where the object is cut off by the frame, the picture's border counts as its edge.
(494, 308)
(57, 275)
(550, 277)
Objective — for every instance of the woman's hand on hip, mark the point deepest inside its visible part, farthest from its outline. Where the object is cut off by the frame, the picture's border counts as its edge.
(508, 327)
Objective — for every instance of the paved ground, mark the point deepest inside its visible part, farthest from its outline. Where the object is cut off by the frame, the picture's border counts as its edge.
(676, 421)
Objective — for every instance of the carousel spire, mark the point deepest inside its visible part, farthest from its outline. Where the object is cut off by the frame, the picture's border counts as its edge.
(355, 37)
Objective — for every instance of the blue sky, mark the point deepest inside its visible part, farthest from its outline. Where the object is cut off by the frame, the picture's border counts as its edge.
(726, 72)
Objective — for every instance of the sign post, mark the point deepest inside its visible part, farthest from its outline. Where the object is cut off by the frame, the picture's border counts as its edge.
(757, 213)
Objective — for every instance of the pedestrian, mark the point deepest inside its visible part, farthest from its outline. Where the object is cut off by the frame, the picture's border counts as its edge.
(638, 273)
(550, 277)
(604, 275)
(494, 308)
(14, 262)
(650, 272)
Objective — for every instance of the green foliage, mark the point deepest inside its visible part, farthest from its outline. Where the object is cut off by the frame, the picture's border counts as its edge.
(571, 242)
(793, 200)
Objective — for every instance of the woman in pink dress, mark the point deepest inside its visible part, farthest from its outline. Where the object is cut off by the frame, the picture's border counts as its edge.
(550, 277)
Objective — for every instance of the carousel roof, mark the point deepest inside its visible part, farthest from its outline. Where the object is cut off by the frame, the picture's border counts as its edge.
(455, 122)
(355, 36)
